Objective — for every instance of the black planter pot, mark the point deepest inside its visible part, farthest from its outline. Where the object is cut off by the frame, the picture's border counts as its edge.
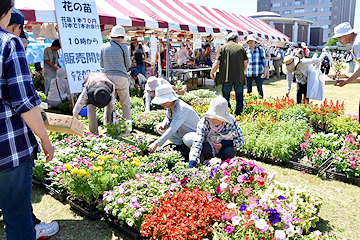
(124, 229)
(37, 183)
(61, 196)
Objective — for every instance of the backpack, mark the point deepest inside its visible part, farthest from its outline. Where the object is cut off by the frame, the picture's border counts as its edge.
(326, 61)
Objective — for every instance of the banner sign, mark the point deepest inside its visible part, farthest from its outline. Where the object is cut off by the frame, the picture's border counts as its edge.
(197, 41)
(80, 37)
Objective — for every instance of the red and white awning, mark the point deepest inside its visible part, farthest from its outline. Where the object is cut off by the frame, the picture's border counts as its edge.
(259, 27)
(156, 14)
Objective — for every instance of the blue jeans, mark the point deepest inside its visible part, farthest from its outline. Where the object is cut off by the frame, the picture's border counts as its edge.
(224, 153)
(15, 201)
(141, 69)
(259, 83)
(239, 95)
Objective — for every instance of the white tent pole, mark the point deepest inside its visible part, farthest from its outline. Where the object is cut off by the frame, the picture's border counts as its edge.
(167, 54)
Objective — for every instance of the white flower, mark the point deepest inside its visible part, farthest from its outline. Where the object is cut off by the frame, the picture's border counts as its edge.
(231, 205)
(236, 220)
(214, 161)
(261, 224)
(223, 186)
(280, 235)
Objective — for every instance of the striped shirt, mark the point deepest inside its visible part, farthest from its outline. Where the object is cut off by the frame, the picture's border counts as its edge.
(256, 62)
(17, 96)
(203, 128)
(115, 59)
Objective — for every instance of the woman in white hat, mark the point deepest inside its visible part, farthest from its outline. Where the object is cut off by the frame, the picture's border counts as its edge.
(150, 86)
(217, 134)
(299, 70)
(179, 125)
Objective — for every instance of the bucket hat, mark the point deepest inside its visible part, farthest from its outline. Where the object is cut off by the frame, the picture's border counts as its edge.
(163, 94)
(251, 37)
(118, 31)
(343, 29)
(218, 109)
(291, 62)
(99, 95)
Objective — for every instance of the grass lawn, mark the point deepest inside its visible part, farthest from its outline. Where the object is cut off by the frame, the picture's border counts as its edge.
(339, 212)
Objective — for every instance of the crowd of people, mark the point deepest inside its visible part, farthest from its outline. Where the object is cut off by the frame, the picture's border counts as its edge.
(216, 134)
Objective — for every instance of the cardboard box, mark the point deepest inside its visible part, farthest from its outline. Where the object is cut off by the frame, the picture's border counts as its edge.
(62, 123)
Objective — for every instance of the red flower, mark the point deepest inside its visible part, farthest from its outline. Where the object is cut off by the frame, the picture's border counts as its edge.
(217, 190)
(184, 181)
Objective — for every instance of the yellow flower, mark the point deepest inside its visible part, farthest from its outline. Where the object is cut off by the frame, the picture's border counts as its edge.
(135, 163)
(92, 154)
(100, 168)
(136, 159)
(115, 167)
(74, 171)
(108, 156)
(116, 151)
(130, 154)
(87, 176)
(126, 162)
(68, 166)
(114, 175)
(100, 162)
(81, 172)
(102, 157)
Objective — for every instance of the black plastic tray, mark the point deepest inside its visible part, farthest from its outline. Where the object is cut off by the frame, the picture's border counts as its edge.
(124, 229)
(55, 193)
(341, 177)
(295, 164)
(277, 162)
(37, 183)
(91, 215)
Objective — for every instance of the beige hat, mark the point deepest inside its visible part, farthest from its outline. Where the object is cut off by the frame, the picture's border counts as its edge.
(251, 37)
(118, 31)
(218, 109)
(291, 62)
(152, 83)
(343, 29)
(163, 94)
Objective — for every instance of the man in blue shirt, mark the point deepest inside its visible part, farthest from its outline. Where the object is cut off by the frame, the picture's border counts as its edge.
(20, 118)
(257, 65)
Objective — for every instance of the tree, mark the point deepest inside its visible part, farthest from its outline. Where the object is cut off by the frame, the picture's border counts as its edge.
(332, 41)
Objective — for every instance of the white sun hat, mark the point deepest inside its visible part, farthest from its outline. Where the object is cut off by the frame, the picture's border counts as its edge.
(218, 109)
(251, 37)
(118, 31)
(163, 94)
(343, 29)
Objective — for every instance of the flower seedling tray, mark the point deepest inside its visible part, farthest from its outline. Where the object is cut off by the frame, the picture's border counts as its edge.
(295, 163)
(91, 213)
(61, 196)
(124, 229)
(341, 176)
(276, 162)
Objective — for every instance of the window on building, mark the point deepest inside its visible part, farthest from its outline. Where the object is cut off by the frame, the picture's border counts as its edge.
(335, 16)
(313, 1)
(278, 12)
(312, 9)
(286, 4)
(329, 34)
(286, 12)
(300, 2)
(325, 26)
(325, 1)
(266, 5)
(336, 8)
(326, 9)
(324, 18)
(275, 4)
(299, 10)
(312, 19)
(261, 5)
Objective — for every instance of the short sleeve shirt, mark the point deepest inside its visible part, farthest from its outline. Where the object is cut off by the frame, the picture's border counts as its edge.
(53, 58)
(231, 57)
(356, 47)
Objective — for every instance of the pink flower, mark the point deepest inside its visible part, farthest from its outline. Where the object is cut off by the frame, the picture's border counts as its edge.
(247, 192)
(229, 229)
(304, 145)
(226, 173)
(319, 151)
(307, 135)
(217, 189)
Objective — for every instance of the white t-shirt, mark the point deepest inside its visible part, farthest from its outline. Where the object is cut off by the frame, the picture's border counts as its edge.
(356, 48)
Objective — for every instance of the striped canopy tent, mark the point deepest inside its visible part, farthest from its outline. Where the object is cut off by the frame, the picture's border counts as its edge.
(259, 27)
(177, 15)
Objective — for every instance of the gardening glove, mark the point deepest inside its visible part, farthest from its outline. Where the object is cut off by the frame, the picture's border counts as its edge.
(192, 164)
(115, 117)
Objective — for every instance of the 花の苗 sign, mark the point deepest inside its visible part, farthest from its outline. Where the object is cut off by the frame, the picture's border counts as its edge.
(81, 40)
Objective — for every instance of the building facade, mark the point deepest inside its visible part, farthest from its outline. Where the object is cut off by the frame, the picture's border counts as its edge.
(323, 13)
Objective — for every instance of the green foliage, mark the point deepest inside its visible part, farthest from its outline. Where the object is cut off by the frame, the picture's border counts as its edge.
(66, 108)
(332, 41)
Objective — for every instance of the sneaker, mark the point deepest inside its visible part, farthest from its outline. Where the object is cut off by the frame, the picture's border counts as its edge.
(45, 230)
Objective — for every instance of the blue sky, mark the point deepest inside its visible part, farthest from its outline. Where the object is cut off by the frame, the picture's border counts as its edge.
(238, 6)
